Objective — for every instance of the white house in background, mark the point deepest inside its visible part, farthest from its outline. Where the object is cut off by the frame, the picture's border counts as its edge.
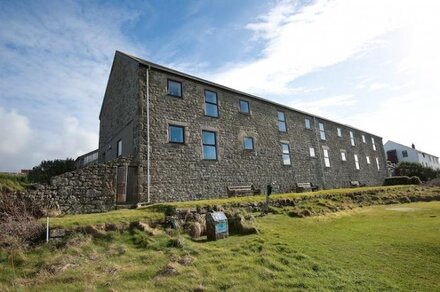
(396, 153)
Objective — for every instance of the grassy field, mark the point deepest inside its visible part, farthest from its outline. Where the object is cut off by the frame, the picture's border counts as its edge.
(392, 247)
(12, 182)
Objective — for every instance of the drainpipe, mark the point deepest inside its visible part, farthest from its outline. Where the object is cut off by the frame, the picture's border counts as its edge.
(147, 76)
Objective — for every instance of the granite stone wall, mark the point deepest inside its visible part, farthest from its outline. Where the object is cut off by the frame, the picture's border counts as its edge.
(179, 173)
(88, 190)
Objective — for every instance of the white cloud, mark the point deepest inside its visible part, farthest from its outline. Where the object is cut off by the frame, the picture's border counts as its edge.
(301, 40)
(15, 133)
(324, 106)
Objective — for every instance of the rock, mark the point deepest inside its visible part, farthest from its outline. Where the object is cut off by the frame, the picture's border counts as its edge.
(169, 269)
(177, 242)
(196, 230)
(186, 261)
(94, 232)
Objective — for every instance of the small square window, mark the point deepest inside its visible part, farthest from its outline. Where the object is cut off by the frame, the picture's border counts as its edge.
(176, 134)
(248, 143)
(321, 131)
(405, 153)
(282, 122)
(307, 123)
(244, 106)
(211, 104)
(209, 145)
(343, 157)
(312, 152)
(286, 153)
(174, 88)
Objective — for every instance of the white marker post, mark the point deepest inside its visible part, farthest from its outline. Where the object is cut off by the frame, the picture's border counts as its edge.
(47, 229)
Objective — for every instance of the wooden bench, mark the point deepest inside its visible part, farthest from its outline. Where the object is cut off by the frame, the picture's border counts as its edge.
(356, 184)
(247, 189)
(308, 186)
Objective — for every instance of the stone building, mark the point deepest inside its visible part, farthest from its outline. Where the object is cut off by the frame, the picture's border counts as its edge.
(189, 139)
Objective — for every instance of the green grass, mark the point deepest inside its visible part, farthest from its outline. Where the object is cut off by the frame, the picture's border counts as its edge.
(373, 248)
(155, 211)
(12, 182)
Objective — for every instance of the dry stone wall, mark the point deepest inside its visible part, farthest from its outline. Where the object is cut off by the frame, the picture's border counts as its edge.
(88, 190)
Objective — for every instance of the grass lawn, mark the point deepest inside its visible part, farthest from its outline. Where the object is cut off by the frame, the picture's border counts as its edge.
(392, 247)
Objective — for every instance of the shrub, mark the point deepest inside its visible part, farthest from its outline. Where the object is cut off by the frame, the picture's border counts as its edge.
(47, 169)
(416, 169)
(397, 180)
(414, 180)
(18, 221)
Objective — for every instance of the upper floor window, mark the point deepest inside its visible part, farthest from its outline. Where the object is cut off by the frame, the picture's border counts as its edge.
(244, 107)
(368, 159)
(363, 139)
(209, 145)
(356, 161)
(174, 88)
(343, 157)
(373, 143)
(405, 153)
(286, 153)
(176, 134)
(377, 163)
(119, 148)
(312, 152)
(321, 131)
(282, 122)
(248, 143)
(339, 132)
(308, 124)
(211, 103)
(352, 139)
(326, 157)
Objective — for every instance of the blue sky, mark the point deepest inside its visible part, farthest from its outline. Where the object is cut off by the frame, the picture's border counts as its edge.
(371, 64)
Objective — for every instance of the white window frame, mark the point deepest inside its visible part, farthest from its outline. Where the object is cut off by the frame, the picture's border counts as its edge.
(352, 142)
(368, 159)
(373, 143)
(321, 131)
(377, 163)
(356, 162)
(363, 139)
(286, 154)
(339, 131)
(312, 152)
(326, 157)
(343, 155)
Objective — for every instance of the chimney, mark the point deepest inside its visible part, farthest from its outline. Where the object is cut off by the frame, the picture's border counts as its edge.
(413, 146)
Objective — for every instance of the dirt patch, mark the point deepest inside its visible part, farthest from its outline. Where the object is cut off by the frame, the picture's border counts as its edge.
(403, 209)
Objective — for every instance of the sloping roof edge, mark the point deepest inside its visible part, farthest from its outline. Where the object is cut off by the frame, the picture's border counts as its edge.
(410, 148)
(210, 83)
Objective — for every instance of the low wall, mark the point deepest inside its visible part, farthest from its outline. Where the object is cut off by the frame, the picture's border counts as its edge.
(88, 190)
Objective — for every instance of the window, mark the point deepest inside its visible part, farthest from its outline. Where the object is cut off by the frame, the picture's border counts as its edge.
(244, 107)
(119, 148)
(321, 131)
(312, 152)
(326, 158)
(282, 122)
(368, 159)
(307, 122)
(339, 132)
(363, 139)
(377, 163)
(248, 143)
(356, 161)
(286, 153)
(405, 153)
(343, 157)
(174, 88)
(176, 134)
(211, 104)
(373, 143)
(352, 139)
(209, 145)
